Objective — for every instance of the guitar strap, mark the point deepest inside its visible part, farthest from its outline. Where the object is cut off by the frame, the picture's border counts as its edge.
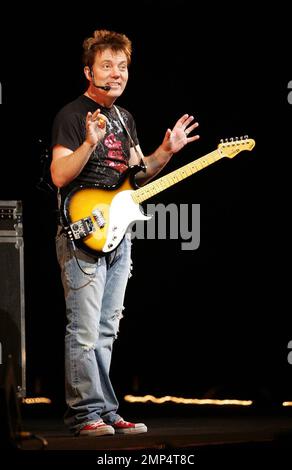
(138, 153)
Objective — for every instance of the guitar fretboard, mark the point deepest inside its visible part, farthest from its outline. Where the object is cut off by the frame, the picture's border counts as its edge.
(155, 187)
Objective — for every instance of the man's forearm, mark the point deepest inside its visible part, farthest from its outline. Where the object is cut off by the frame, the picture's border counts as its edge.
(154, 163)
(66, 168)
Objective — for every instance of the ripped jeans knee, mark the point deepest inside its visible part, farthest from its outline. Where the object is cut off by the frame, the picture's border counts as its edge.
(117, 316)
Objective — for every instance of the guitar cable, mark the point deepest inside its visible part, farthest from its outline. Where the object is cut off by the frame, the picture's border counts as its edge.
(108, 261)
(76, 259)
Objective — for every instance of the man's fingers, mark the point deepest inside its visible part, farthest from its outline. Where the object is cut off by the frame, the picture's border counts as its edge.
(96, 113)
(192, 139)
(99, 119)
(191, 128)
(182, 119)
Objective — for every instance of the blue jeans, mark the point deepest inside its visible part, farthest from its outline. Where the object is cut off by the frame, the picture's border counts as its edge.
(94, 305)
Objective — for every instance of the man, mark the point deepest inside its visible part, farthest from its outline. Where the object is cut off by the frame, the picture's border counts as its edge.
(95, 142)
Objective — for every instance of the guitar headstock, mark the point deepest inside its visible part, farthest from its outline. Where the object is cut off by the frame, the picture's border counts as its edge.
(230, 148)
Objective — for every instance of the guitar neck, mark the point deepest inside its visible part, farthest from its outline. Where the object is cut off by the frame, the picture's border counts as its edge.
(155, 187)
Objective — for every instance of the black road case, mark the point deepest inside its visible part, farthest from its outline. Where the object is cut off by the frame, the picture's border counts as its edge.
(12, 300)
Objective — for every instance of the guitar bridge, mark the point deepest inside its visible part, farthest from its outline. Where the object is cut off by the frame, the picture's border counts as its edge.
(99, 218)
(81, 228)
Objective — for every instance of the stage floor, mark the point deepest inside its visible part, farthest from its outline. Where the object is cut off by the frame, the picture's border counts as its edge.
(202, 439)
(168, 433)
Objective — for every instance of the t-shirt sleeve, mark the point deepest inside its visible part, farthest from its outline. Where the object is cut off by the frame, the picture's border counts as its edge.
(68, 130)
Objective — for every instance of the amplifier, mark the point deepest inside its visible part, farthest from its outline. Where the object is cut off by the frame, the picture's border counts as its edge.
(12, 305)
(10, 218)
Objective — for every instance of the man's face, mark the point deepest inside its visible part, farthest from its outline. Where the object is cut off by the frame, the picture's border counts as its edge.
(110, 68)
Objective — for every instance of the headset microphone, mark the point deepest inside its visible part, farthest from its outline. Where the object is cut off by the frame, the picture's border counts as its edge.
(105, 87)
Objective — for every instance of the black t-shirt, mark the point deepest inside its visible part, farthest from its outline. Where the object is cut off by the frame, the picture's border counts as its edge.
(111, 157)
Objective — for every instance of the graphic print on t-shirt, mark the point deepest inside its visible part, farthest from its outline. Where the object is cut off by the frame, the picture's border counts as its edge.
(115, 157)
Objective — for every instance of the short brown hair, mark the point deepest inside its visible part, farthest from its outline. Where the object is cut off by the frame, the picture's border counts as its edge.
(103, 39)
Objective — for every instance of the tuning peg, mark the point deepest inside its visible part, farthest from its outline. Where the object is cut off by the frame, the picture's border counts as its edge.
(241, 137)
(231, 139)
(236, 138)
(226, 140)
(246, 136)
(221, 141)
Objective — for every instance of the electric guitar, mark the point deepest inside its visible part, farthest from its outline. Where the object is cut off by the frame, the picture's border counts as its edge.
(97, 216)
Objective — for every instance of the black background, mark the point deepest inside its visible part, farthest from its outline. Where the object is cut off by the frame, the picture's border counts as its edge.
(215, 320)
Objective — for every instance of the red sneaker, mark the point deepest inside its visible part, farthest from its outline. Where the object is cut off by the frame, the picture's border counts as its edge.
(96, 428)
(124, 427)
